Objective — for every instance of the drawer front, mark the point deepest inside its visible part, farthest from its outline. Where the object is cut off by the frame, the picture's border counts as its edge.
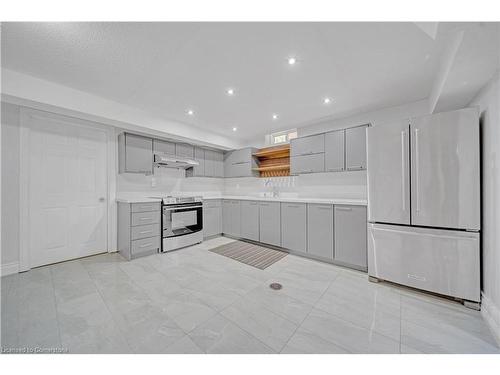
(144, 231)
(307, 164)
(143, 218)
(145, 246)
(146, 207)
(307, 145)
(440, 261)
(212, 203)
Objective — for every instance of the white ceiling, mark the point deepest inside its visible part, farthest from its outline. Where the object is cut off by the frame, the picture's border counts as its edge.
(166, 68)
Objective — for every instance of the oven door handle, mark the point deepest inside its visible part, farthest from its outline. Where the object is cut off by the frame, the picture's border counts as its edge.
(181, 208)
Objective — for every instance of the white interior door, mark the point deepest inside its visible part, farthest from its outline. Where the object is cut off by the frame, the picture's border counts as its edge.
(67, 189)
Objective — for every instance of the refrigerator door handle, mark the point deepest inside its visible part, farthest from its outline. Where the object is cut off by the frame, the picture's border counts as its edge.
(417, 173)
(403, 170)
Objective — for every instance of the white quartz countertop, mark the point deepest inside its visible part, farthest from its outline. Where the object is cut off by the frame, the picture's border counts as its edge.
(359, 202)
(138, 199)
(350, 201)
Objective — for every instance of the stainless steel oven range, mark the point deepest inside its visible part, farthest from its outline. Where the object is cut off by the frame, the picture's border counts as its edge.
(182, 222)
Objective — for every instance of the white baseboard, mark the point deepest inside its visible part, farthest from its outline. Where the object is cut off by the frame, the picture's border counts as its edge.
(9, 268)
(491, 313)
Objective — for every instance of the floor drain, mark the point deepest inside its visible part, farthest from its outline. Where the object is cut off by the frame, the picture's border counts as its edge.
(276, 286)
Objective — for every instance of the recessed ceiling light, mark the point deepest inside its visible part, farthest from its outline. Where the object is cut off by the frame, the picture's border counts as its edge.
(292, 60)
(235, 128)
(230, 92)
(190, 112)
(275, 116)
(327, 100)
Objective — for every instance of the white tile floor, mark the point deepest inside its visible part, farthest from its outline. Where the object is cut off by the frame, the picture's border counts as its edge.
(195, 301)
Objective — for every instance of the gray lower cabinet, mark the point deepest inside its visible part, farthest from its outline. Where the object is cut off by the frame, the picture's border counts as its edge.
(270, 223)
(320, 230)
(212, 217)
(135, 154)
(355, 148)
(231, 217)
(250, 220)
(307, 163)
(139, 230)
(334, 151)
(350, 235)
(294, 226)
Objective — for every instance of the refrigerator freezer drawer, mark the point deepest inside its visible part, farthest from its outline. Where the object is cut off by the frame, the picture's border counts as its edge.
(439, 261)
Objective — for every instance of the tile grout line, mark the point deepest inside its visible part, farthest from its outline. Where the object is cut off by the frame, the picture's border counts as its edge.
(56, 307)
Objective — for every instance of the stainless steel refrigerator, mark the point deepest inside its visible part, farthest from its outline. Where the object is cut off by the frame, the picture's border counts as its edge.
(424, 203)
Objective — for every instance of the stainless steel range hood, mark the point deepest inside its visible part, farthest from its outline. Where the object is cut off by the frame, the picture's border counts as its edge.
(172, 161)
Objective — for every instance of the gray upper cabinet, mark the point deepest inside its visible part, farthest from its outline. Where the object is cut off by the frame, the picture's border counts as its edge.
(199, 156)
(185, 150)
(350, 235)
(293, 226)
(307, 163)
(250, 220)
(334, 151)
(355, 148)
(270, 223)
(209, 163)
(320, 230)
(135, 154)
(219, 164)
(240, 163)
(163, 147)
(313, 144)
(231, 217)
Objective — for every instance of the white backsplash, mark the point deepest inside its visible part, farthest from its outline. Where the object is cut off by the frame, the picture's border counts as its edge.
(168, 181)
(318, 185)
(348, 185)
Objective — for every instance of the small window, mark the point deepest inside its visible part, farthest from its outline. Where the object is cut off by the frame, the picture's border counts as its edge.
(283, 137)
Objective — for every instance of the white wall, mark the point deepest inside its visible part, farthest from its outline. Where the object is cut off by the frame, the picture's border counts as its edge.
(10, 184)
(488, 100)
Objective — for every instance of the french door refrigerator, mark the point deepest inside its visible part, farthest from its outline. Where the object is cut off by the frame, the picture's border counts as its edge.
(424, 203)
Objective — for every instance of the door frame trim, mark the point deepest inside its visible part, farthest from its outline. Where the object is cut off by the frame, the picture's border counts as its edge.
(25, 114)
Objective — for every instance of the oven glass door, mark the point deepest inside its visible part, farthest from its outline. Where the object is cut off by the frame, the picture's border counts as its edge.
(182, 220)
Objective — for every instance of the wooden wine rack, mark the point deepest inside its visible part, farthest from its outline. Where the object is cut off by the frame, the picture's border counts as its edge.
(274, 161)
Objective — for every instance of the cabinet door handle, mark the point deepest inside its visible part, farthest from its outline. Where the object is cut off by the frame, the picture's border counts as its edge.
(325, 208)
(146, 231)
(146, 245)
(145, 218)
(293, 206)
(343, 208)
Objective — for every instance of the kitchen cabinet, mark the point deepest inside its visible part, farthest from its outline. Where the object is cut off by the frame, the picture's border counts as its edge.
(240, 163)
(219, 164)
(209, 163)
(313, 144)
(270, 223)
(184, 150)
(320, 230)
(307, 163)
(135, 154)
(355, 148)
(139, 230)
(212, 217)
(294, 226)
(350, 235)
(334, 151)
(231, 217)
(163, 147)
(199, 156)
(250, 220)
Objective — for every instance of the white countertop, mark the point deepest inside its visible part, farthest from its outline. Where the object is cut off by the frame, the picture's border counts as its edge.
(350, 201)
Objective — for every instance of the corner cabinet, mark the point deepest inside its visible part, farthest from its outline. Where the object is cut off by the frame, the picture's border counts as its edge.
(135, 154)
